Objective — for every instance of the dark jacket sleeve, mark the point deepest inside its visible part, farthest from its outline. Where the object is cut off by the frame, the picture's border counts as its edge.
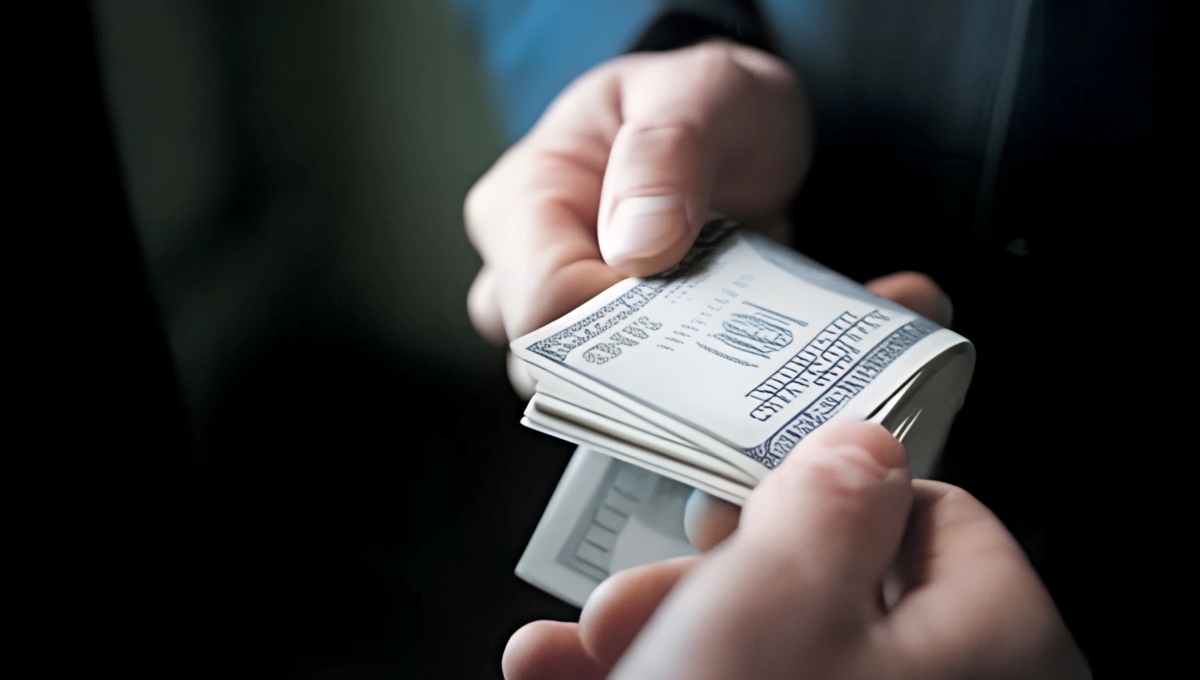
(535, 48)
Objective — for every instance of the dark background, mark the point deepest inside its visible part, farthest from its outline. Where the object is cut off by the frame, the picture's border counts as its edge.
(319, 469)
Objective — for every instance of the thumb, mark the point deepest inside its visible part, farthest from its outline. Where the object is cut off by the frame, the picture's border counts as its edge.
(715, 127)
(838, 505)
(656, 187)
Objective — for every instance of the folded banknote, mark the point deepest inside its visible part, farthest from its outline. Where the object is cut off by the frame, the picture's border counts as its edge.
(709, 374)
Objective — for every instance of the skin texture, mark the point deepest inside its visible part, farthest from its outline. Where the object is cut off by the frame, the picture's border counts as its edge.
(840, 565)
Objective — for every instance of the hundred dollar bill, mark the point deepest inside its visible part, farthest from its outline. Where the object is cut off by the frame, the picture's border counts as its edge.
(711, 373)
(605, 516)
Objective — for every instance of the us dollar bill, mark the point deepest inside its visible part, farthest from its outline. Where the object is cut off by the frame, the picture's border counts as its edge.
(605, 515)
(711, 373)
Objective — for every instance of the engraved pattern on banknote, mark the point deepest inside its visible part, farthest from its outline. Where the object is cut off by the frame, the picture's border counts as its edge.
(588, 551)
(818, 363)
(771, 452)
(726, 357)
(625, 491)
(753, 334)
(559, 345)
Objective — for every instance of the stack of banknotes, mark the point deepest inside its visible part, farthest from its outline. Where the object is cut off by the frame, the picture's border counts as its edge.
(706, 377)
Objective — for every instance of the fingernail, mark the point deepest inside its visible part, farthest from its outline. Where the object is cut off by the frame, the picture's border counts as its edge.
(693, 512)
(841, 430)
(643, 226)
(869, 438)
(708, 520)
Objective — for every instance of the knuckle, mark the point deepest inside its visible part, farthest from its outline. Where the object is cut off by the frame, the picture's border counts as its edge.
(487, 193)
(954, 497)
(717, 63)
(475, 207)
(922, 283)
(846, 475)
(679, 140)
(715, 53)
(736, 67)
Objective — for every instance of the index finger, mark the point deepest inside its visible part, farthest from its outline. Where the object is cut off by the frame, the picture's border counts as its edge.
(532, 217)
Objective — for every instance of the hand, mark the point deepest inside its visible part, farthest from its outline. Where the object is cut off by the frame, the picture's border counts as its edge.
(622, 171)
(841, 567)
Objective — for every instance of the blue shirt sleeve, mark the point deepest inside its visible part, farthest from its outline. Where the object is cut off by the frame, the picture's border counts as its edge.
(535, 48)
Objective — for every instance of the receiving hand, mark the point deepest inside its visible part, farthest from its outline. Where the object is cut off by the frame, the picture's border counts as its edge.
(841, 567)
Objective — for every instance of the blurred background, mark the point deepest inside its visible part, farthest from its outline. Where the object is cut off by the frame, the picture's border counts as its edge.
(352, 488)
(295, 173)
